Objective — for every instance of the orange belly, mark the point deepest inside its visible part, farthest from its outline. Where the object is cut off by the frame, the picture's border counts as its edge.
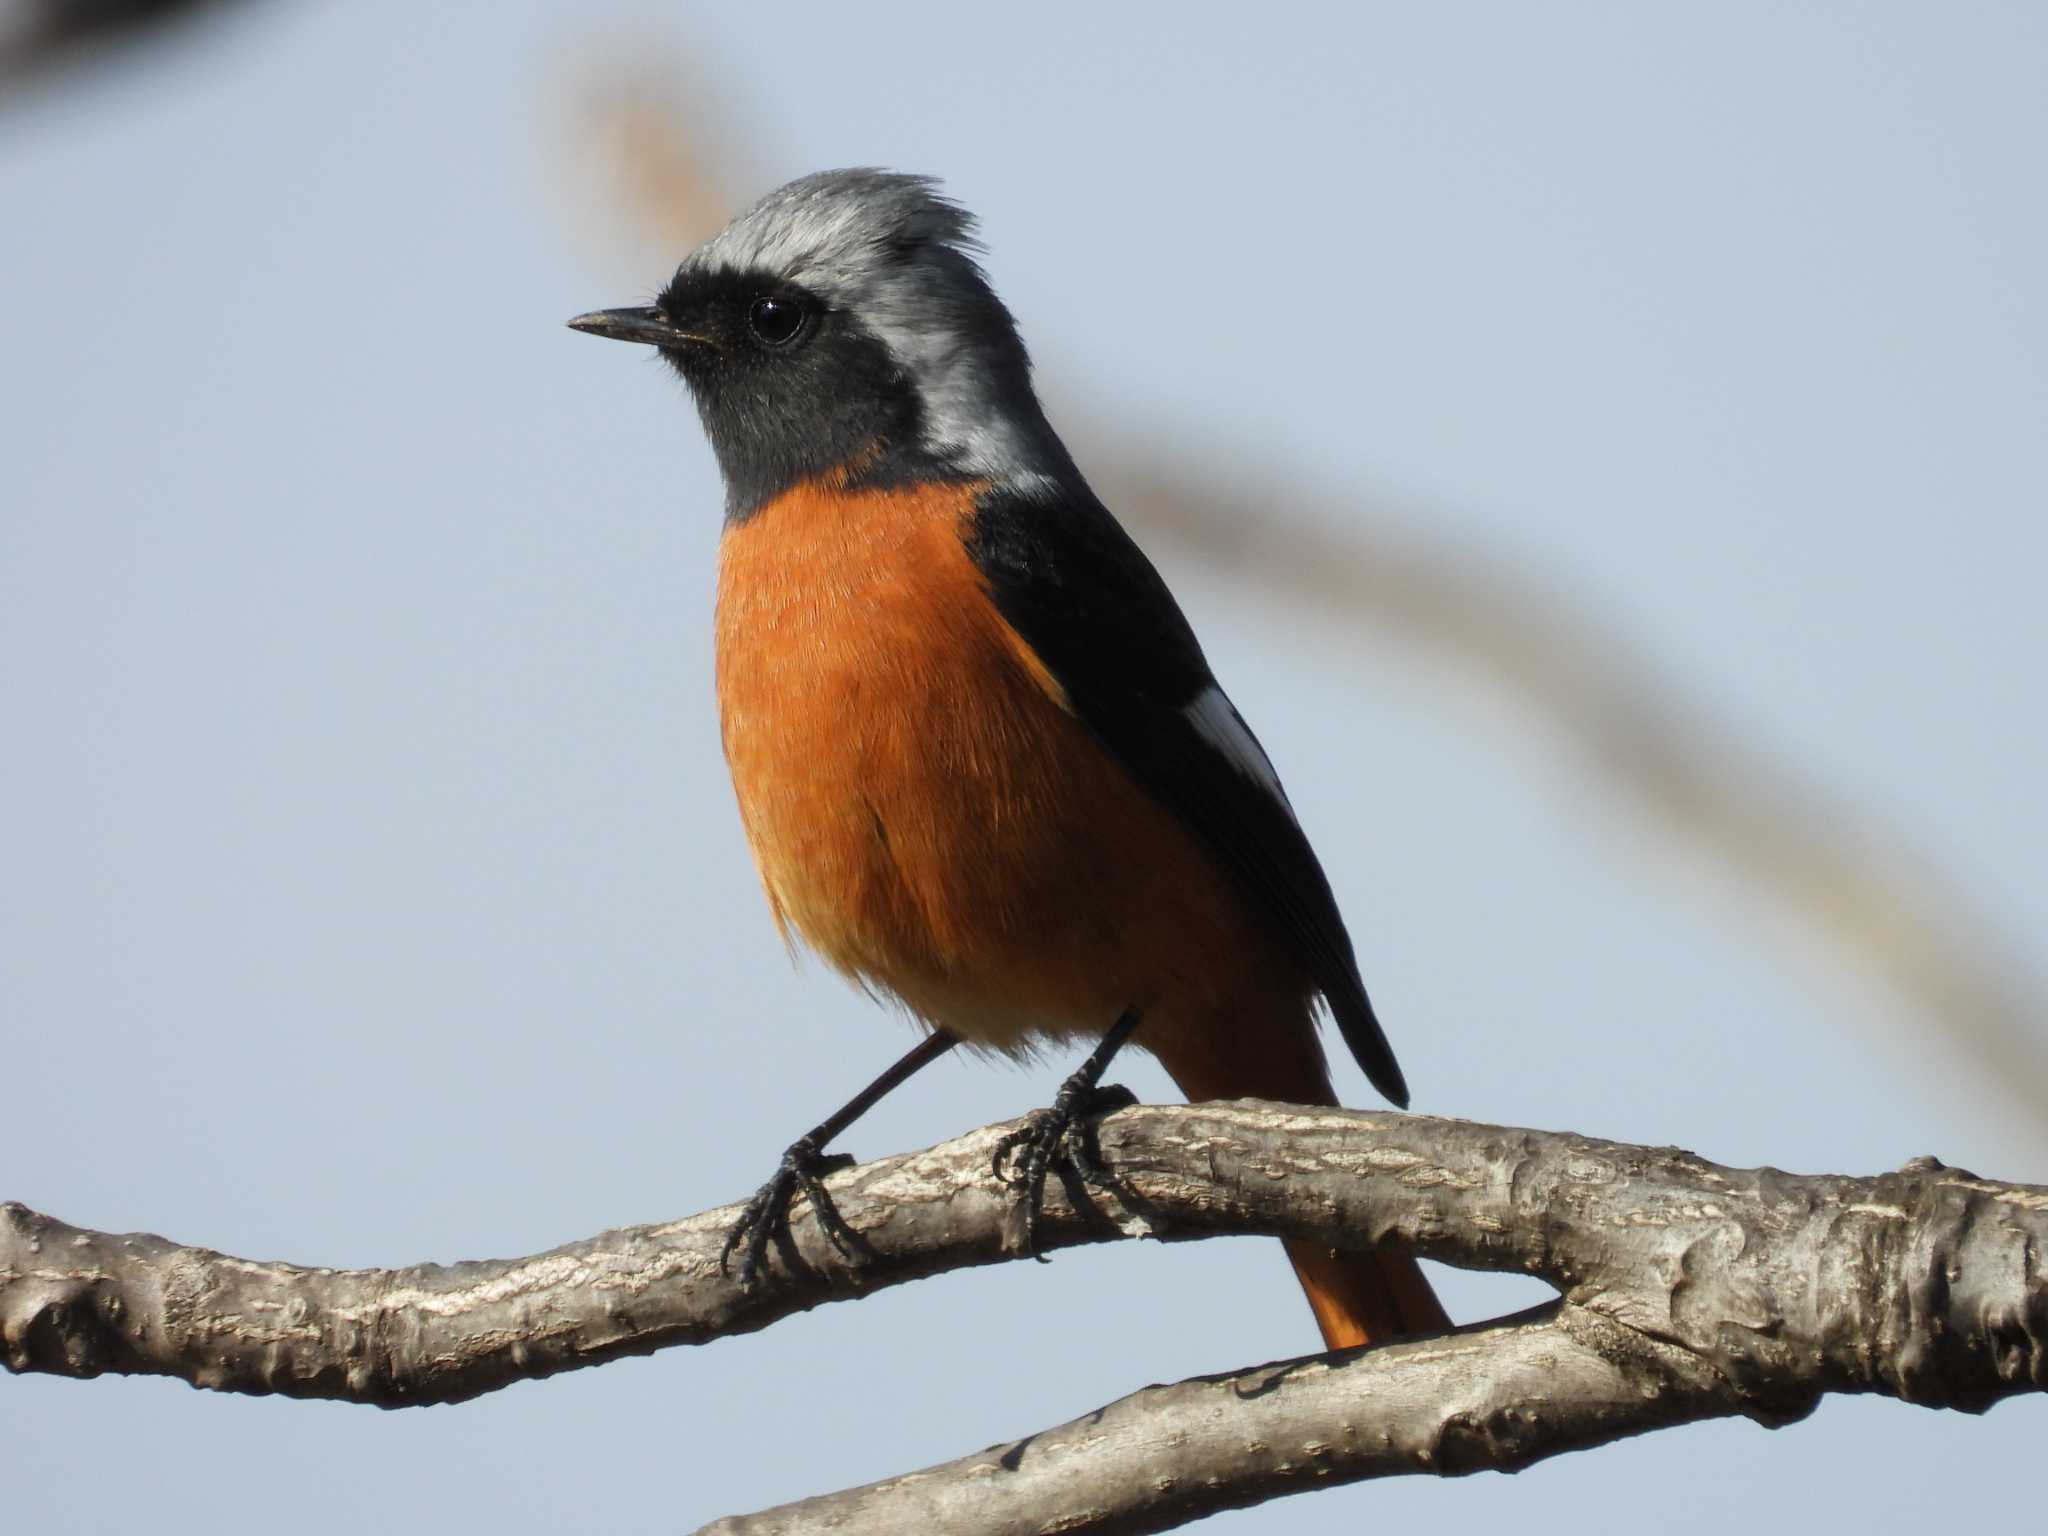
(930, 817)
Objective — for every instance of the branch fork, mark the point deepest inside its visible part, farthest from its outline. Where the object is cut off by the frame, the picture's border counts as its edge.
(1687, 1291)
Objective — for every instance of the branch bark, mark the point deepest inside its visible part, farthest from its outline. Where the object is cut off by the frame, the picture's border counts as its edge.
(1687, 1291)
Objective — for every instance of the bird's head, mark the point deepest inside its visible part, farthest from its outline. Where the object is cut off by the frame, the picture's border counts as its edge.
(842, 325)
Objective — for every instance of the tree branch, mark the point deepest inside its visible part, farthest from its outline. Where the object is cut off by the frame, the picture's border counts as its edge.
(1494, 1398)
(1688, 1291)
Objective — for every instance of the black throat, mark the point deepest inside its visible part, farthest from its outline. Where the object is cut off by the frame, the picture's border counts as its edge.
(833, 403)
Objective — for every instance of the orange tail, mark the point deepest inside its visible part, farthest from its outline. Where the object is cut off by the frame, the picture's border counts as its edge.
(1359, 1296)
(1363, 1297)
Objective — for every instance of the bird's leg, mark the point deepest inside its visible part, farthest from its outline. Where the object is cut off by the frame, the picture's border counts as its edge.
(805, 1164)
(1061, 1131)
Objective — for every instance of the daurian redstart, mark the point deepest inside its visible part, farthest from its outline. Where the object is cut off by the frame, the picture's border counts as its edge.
(982, 762)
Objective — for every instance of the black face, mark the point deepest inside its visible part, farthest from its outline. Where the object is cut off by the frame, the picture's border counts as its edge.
(790, 389)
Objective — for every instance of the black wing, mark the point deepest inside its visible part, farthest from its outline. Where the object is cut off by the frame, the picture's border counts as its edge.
(1084, 597)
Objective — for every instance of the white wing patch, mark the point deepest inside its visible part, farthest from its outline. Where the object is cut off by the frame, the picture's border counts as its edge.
(1217, 721)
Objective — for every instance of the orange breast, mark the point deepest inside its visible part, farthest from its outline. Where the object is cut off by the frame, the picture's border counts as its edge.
(930, 817)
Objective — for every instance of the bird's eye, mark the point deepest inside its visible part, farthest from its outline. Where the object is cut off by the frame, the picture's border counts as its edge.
(776, 321)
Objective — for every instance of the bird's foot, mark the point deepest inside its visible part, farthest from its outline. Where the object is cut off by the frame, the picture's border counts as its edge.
(1063, 1133)
(766, 1217)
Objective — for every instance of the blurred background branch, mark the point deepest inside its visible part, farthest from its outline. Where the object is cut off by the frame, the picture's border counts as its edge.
(39, 38)
(652, 159)
(653, 162)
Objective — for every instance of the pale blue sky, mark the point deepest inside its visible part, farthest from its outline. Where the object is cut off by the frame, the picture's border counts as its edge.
(374, 892)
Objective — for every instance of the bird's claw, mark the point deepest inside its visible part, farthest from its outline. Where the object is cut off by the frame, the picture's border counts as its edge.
(1058, 1134)
(765, 1217)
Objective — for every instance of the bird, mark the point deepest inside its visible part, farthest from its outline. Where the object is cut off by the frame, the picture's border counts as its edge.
(981, 760)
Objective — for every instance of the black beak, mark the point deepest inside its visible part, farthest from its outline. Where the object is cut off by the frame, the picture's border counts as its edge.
(649, 326)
